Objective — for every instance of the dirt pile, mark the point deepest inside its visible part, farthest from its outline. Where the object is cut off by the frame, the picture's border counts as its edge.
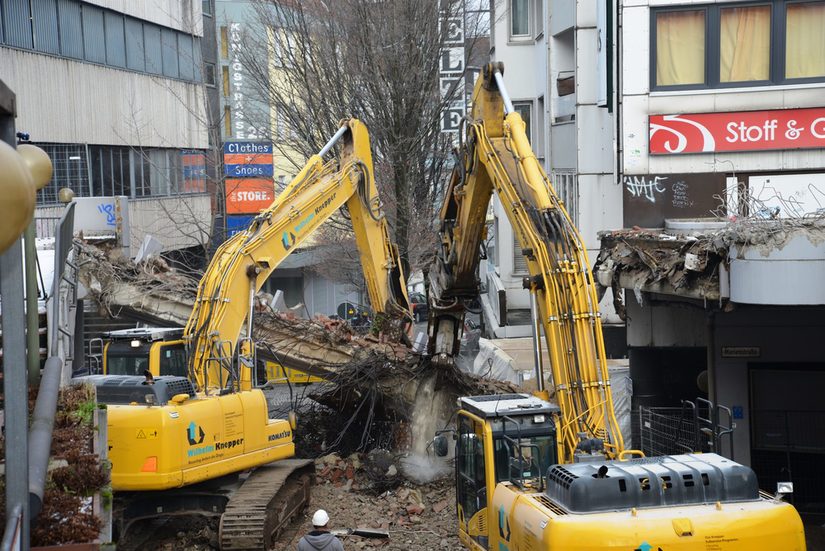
(416, 516)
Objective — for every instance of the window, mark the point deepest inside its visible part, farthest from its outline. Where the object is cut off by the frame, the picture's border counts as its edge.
(209, 74)
(173, 360)
(225, 42)
(519, 18)
(754, 44)
(94, 39)
(227, 121)
(71, 29)
(566, 186)
(135, 52)
(169, 52)
(225, 80)
(680, 47)
(539, 6)
(115, 40)
(524, 109)
(207, 8)
(745, 44)
(79, 30)
(471, 491)
(519, 260)
(805, 46)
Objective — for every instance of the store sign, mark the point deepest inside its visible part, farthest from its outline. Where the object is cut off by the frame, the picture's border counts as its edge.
(451, 65)
(738, 131)
(247, 159)
(237, 223)
(741, 352)
(248, 196)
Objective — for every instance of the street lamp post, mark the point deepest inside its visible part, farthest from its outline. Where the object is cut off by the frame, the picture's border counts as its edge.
(40, 168)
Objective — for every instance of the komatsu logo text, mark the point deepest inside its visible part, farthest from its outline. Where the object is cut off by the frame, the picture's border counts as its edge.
(284, 434)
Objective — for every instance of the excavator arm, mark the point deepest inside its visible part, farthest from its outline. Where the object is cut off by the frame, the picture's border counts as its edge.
(219, 331)
(495, 157)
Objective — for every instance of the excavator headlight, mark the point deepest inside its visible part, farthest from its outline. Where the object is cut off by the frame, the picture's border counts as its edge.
(135, 343)
(539, 418)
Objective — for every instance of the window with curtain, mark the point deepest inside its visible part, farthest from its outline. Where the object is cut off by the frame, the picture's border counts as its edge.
(680, 48)
(519, 17)
(805, 40)
(745, 44)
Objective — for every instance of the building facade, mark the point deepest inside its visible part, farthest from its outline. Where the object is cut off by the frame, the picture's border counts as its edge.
(559, 72)
(114, 93)
(720, 150)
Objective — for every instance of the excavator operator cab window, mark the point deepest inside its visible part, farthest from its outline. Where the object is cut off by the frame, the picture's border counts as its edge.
(124, 359)
(173, 360)
(471, 489)
(522, 460)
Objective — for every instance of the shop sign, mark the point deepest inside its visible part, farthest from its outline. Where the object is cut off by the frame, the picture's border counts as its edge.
(248, 196)
(737, 131)
(237, 223)
(247, 159)
(741, 352)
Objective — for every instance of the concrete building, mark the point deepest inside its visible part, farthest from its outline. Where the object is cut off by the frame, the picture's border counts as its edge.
(721, 119)
(559, 72)
(114, 93)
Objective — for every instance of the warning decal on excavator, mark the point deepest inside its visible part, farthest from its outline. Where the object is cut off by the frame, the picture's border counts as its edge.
(146, 434)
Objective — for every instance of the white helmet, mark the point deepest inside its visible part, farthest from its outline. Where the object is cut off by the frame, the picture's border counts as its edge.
(320, 518)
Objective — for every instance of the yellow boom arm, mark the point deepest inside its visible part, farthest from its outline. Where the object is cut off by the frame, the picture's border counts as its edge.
(219, 356)
(496, 157)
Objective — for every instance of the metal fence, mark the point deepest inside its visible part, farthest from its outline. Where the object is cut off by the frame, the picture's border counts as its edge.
(697, 426)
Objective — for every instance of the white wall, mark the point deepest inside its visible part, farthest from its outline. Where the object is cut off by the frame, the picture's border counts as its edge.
(177, 222)
(65, 101)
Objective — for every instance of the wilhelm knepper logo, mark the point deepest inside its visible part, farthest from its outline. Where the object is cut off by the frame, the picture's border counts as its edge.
(194, 434)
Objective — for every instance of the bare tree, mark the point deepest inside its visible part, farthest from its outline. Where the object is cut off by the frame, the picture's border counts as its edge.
(316, 62)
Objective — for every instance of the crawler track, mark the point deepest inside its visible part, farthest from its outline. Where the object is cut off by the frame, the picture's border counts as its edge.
(264, 504)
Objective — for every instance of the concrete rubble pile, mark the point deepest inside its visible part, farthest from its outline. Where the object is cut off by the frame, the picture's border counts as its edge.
(690, 263)
(372, 366)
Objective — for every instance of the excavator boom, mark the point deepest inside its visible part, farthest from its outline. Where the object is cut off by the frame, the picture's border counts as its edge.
(219, 352)
(496, 157)
(531, 474)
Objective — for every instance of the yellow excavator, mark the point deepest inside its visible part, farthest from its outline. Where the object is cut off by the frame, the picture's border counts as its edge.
(537, 475)
(173, 440)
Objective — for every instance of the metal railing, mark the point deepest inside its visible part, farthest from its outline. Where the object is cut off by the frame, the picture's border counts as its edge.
(697, 426)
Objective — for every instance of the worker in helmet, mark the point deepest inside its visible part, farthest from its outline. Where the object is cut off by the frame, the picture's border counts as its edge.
(320, 538)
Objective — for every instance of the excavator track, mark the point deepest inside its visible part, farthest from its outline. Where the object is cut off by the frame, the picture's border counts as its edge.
(271, 496)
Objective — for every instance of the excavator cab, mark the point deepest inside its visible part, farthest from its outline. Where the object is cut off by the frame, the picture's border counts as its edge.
(499, 438)
(159, 350)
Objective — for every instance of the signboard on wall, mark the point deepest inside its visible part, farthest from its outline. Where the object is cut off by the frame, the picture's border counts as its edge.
(194, 171)
(451, 65)
(247, 159)
(248, 196)
(237, 223)
(776, 129)
(650, 198)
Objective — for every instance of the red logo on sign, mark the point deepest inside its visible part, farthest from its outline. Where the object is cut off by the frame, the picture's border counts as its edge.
(738, 131)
